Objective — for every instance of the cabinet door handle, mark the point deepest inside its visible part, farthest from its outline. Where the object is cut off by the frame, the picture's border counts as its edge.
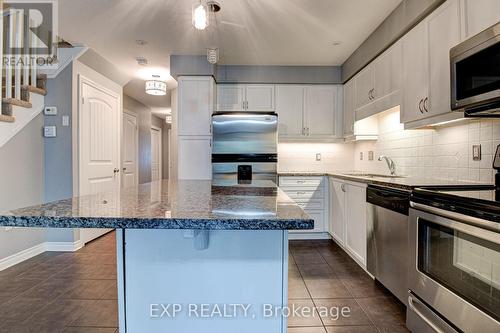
(369, 95)
(373, 93)
(308, 131)
(342, 187)
(426, 101)
(301, 181)
(420, 105)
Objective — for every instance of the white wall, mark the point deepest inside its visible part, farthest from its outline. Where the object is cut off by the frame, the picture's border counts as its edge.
(302, 157)
(445, 152)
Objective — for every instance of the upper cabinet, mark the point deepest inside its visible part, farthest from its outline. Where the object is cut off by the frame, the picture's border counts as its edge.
(309, 112)
(246, 97)
(195, 105)
(426, 66)
(377, 86)
(480, 14)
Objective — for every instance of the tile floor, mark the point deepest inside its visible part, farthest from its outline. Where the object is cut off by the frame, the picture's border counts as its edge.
(58, 292)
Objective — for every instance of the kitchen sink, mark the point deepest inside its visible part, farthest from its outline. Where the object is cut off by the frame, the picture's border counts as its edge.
(372, 175)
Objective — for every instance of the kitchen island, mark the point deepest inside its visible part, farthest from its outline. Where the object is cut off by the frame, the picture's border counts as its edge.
(193, 256)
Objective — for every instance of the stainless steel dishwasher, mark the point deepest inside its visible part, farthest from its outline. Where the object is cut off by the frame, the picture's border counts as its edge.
(387, 238)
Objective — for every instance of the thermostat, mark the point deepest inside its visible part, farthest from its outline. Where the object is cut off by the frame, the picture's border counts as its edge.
(49, 131)
(50, 111)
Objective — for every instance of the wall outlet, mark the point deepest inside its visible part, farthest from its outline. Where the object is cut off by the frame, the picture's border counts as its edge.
(49, 131)
(361, 156)
(476, 152)
(370, 155)
(50, 111)
(318, 157)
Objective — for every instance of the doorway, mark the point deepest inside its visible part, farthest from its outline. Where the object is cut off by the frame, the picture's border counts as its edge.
(156, 153)
(130, 150)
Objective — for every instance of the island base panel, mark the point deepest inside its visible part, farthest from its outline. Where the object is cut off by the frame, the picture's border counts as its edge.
(187, 281)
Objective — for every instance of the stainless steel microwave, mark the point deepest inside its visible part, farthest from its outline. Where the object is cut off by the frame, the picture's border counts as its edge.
(475, 74)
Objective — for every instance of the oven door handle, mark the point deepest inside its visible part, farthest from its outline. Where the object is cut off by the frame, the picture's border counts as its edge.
(422, 316)
(474, 226)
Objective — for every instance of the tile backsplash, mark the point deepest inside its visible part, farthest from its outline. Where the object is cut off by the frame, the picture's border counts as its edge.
(302, 157)
(443, 152)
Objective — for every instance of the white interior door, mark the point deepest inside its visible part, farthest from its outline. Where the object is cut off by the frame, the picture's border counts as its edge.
(155, 154)
(99, 145)
(130, 150)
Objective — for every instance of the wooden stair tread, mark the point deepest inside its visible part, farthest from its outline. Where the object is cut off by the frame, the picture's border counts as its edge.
(35, 90)
(18, 102)
(7, 119)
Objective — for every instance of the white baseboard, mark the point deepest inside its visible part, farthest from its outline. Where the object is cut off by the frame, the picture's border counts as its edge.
(23, 255)
(308, 235)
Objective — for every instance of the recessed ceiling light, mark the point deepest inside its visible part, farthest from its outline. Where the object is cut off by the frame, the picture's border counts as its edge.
(336, 42)
(141, 42)
(141, 61)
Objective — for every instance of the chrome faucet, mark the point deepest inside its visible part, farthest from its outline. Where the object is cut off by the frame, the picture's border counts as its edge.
(390, 164)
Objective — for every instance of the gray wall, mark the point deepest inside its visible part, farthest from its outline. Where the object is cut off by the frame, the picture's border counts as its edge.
(21, 184)
(143, 114)
(398, 23)
(58, 150)
(279, 74)
(190, 65)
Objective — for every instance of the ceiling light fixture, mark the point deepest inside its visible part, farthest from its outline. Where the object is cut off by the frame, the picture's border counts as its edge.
(156, 87)
(212, 55)
(200, 16)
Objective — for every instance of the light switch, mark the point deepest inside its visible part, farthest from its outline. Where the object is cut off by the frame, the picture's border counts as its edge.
(50, 111)
(318, 157)
(476, 152)
(370, 155)
(65, 121)
(49, 131)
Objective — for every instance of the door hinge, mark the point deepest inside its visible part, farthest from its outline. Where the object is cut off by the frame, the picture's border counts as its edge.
(83, 100)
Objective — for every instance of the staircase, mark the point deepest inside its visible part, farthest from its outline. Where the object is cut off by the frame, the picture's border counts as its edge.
(22, 87)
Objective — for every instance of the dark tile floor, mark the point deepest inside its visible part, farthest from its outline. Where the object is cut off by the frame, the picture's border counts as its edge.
(58, 292)
(322, 275)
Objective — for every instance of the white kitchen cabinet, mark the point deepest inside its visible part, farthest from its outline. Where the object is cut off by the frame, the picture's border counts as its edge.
(260, 98)
(196, 105)
(290, 110)
(349, 108)
(426, 66)
(195, 158)
(480, 14)
(309, 112)
(377, 87)
(415, 73)
(246, 97)
(337, 214)
(311, 194)
(355, 221)
(321, 111)
(364, 82)
(348, 217)
(444, 33)
(230, 97)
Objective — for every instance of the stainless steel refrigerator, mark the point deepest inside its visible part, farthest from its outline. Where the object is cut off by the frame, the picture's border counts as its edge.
(245, 146)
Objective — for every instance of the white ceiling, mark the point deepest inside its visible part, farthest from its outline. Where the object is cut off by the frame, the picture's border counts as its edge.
(265, 32)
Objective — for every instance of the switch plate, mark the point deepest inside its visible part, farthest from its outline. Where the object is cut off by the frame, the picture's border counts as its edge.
(50, 111)
(65, 121)
(318, 157)
(361, 156)
(49, 131)
(370, 155)
(476, 152)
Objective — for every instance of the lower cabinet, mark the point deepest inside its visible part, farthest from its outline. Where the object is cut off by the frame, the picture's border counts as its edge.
(310, 193)
(348, 217)
(195, 157)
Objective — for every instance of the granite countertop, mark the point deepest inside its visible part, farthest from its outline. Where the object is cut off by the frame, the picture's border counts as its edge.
(171, 204)
(405, 183)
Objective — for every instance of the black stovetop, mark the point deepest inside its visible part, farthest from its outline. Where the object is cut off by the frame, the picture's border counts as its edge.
(477, 201)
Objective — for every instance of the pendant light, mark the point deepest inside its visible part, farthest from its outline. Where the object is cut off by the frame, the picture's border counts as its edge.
(156, 87)
(200, 16)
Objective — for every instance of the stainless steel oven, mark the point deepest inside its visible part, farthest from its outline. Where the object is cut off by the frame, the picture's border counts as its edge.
(475, 74)
(454, 276)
